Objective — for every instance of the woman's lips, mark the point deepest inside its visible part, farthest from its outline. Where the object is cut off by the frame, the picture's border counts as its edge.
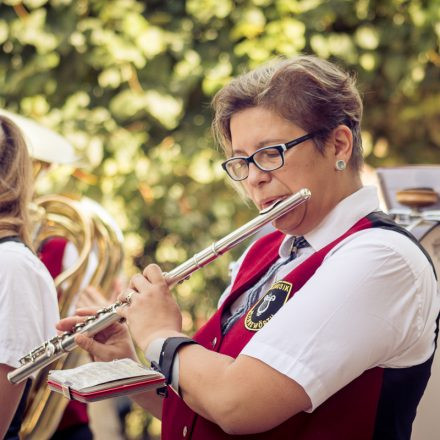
(270, 202)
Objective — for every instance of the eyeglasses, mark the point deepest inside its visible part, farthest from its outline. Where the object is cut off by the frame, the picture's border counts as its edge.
(266, 159)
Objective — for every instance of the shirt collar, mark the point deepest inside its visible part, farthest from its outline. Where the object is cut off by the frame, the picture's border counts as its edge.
(342, 217)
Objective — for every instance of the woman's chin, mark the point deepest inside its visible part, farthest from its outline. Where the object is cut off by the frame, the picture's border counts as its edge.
(288, 225)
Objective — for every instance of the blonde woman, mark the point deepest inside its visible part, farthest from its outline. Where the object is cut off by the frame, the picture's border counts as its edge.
(28, 301)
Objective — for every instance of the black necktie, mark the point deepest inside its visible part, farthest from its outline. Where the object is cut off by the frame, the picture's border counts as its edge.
(299, 243)
(254, 292)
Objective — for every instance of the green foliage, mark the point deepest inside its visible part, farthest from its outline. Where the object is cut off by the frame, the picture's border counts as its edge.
(129, 84)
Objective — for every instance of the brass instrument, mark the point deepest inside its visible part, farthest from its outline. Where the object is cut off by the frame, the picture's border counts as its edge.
(89, 229)
(55, 348)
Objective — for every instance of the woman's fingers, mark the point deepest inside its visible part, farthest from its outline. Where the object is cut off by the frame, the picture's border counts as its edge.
(87, 311)
(96, 349)
(127, 295)
(140, 283)
(153, 273)
(66, 324)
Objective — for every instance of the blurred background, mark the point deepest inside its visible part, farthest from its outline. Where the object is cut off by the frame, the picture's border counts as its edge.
(128, 83)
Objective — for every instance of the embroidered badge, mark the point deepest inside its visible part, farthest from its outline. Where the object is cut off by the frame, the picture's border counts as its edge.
(263, 310)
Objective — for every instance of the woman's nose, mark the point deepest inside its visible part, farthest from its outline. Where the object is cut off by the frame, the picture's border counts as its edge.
(257, 176)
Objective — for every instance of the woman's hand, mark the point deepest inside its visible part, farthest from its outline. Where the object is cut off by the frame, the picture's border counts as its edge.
(152, 311)
(113, 342)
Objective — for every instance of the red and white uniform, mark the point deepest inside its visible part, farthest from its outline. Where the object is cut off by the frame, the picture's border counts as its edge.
(352, 320)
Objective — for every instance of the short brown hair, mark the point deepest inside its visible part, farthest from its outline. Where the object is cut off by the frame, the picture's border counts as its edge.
(15, 181)
(308, 91)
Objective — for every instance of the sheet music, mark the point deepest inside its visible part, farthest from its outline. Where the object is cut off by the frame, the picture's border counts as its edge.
(97, 373)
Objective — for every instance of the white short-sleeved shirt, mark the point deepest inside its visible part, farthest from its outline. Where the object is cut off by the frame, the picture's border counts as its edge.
(372, 302)
(28, 303)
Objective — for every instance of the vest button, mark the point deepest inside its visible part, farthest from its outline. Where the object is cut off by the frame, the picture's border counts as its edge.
(185, 431)
(214, 341)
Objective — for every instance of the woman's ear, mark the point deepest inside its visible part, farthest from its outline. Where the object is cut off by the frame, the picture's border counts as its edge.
(343, 143)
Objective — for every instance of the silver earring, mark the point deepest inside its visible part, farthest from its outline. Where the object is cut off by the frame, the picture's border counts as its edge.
(340, 165)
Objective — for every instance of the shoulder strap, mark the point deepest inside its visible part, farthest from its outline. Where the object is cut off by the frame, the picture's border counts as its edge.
(10, 238)
(15, 238)
(382, 220)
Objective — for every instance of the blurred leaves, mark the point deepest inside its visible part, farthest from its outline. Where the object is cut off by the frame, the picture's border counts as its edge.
(129, 84)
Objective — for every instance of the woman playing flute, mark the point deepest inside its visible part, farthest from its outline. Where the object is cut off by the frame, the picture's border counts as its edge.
(328, 328)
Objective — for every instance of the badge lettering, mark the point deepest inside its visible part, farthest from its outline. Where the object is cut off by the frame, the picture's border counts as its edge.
(264, 309)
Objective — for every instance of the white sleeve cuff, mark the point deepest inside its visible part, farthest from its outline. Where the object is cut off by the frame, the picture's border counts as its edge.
(152, 354)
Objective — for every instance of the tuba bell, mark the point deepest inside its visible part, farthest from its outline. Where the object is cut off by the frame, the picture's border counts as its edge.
(91, 230)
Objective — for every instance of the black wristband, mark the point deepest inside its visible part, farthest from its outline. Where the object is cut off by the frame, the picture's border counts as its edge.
(168, 353)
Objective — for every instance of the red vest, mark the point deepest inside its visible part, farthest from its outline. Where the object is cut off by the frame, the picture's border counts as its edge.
(178, 418)
(380, 403)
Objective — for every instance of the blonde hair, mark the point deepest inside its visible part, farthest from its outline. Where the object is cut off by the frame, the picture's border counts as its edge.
(15, 182)
(308, 91)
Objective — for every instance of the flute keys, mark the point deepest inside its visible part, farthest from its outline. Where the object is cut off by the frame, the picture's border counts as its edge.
(37, 351)
(81, 325)
(78, 326)
(65, 335)
(24, 360)
(89, 320)
(50, 349)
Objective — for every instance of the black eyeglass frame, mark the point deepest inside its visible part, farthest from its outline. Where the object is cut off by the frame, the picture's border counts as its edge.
(282, 148)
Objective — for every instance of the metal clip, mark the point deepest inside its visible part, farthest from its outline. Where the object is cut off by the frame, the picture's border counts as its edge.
(66, 390)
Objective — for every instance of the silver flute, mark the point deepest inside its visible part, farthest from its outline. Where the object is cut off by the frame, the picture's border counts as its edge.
(56, 347)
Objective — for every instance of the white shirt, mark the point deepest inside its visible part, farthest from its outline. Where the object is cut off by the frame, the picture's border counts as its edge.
(372, 302)
(28, 303)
